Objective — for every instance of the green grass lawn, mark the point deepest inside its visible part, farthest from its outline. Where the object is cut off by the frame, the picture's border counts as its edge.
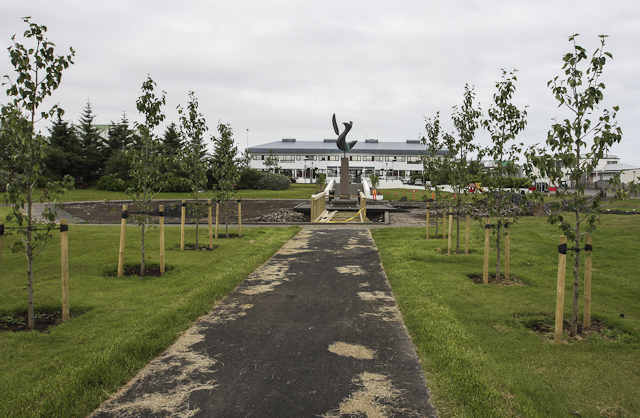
(122, 323)
(481, 360)
(296, 191)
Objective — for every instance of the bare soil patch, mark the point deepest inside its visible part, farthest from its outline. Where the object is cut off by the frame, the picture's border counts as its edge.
(544, 325)
(43, 321)
(503, 281)
(253, 210)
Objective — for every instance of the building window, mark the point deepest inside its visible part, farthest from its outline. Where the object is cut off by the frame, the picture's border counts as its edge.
(286, 158)
(413, 160)
(332, 158)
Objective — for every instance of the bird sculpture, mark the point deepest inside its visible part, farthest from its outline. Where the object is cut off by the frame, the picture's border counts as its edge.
(342, 143)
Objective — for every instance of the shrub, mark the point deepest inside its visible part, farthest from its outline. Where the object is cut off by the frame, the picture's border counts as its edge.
(112, 183)
(249, 179)
(273, 181)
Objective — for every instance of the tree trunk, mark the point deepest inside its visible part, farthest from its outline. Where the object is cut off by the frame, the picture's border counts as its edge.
(143, 231)
(498, 251)
(458, 231)
(29, 254)
(576, 279)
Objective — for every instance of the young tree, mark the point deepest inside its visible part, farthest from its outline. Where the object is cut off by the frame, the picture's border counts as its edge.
(193, 126)
(466, 120)
(504, 123)
(225, 166)
(39, 72)
(271, 162)
(575, 146)
(94, 147)
(436, 169)
(147, 161)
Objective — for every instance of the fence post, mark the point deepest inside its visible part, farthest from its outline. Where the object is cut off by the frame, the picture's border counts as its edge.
(507, 247)
(444, 221)
(466, 235)
(210, 228)
(1, 239)
(487, 238)
(586, 321)
(239, 218)
(450, 230)
(562, 268)
(217, 216)
(64, 267)
(428, 215)
(161, 221)
(183, 218)
(123, 229)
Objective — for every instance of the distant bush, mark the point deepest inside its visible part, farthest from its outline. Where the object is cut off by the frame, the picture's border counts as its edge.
(249, 179)
(273, 181)
(112, 183)
(177, 184)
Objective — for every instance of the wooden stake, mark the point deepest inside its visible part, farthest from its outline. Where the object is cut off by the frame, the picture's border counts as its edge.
(562, 269)
(210, 228)
(450, 230)
(161, 221)
(466, 235)
(506, 253)
(182, 222)
(239, 218)
(428, 215)
(217, 216)
(586, 320)
(444, 222)
(1, 238)
(123, 229)
(64, 267)
(487, 238)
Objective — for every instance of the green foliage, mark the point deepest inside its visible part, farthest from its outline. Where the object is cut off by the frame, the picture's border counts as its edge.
(271, 162)
(112, 183)
(249, 179)
(192, 127)
(39, 72)
(274, 181)
(375, 180)
(575, 146)
(455, 168)
(147, 161)
(94, 149)
(225, 166)
(504, 123)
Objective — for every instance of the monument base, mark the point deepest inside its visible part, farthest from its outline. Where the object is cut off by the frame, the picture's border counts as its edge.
(344, 203)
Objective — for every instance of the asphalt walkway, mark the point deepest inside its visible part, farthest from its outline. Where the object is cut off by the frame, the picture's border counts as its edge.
(314, 332)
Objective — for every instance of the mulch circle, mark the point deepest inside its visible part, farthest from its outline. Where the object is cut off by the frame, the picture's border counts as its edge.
(43, 321)
(504, 281)
(547, 329)
(192, 247)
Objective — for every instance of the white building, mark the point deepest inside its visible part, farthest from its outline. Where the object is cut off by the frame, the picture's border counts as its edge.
(299, 159)
(608, 167)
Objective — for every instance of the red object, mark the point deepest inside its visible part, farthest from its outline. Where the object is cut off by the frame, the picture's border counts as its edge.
(375, 193)
(553, 189)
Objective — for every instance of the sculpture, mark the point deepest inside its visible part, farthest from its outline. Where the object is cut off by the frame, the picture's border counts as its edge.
(342, 143)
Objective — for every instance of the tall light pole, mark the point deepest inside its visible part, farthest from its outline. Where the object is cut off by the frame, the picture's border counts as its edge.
(247, 138)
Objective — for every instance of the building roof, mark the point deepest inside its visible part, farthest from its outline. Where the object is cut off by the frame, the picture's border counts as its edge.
(329, 146)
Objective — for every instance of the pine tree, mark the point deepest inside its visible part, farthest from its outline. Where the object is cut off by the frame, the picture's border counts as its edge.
(94, 150)
(225, 166)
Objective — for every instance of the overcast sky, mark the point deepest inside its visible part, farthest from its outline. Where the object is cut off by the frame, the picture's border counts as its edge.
(280, 69)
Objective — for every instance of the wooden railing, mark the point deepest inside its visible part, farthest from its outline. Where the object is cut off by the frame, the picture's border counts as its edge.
(318, 205)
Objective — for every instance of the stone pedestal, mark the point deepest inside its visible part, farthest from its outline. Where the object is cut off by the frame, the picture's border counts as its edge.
(344, 178)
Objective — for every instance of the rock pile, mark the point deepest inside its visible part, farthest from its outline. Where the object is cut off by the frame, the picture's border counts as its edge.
(284, 215)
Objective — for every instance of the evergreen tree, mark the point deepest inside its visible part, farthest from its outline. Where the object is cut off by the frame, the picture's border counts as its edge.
(64, 154)
(94, 150)
(120, 135)
(225, 166)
